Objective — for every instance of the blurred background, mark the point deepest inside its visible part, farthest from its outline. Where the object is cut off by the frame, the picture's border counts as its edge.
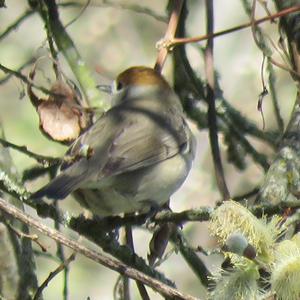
(111, 38)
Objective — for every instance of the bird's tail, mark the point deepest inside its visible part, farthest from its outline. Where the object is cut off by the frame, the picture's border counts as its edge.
(59, 188)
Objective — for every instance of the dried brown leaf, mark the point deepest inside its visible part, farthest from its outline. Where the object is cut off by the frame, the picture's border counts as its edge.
(159, 242)
(62, 118)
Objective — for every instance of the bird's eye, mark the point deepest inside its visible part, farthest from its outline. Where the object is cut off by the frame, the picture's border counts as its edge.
(119, 86)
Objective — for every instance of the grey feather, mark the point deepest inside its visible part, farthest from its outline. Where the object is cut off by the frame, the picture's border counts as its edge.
(59, 188)
(134, 147)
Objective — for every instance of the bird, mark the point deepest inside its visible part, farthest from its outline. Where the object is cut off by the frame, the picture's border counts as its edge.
(135, 156)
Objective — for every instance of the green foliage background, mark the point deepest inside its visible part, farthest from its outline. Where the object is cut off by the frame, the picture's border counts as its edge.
(111, 39)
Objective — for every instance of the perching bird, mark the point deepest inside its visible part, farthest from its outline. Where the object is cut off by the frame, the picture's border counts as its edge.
(135, 156)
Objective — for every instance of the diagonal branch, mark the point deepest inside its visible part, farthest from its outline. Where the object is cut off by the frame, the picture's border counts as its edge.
(170, 33)
(95, 256)
(196, 39)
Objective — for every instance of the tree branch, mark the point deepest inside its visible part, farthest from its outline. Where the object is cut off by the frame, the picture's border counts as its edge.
(109, 262)
(211, 113)
(169, 35)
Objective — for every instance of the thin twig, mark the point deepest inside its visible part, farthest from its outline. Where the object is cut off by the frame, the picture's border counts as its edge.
(177, 41)
(123, 282)
(226, 111)
(246, 195)
(211, 114)
(136, 8)
(263, 93)
(192, 257)
(53, 51)
(83, 9)
(26, 64)
(61, 255)
(44, 160)
(262, 46)
(257, 157)
(274, 97)
(259, 39)
(95, 256)
(170, 33)
(32, 237)
(129, 241)
(68, 48)
(117, 289)
(180, 41)
(16, 23)
(25, 79)
(60, 268)
(125, 6)
(46, 255)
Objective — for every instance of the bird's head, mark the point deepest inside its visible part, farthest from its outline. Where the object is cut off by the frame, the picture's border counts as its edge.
(140, 76)
(137, 82)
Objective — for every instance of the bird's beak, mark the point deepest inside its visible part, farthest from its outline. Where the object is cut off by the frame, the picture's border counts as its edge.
(105, 88)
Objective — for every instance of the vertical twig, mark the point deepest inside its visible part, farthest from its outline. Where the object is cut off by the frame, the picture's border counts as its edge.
(290, 24)
(263, 93)
(274, 96)
(261, 42)
(51, 275)
(66, 45)
(61, 255)
(211, 114)
(258, 39)
(169, 35)
(129, 241)
(192, 258)
(53, 51)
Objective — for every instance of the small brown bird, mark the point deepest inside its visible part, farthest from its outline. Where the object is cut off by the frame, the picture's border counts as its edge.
(135, 156)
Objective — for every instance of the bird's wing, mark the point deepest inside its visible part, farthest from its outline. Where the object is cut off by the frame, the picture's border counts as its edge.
(76, 168)
(146, 140)
(119, 143)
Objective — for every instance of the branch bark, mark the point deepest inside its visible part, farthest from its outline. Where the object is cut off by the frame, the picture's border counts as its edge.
(95, 256)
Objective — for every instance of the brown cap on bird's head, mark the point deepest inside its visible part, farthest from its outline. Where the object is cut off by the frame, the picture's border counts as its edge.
(140, 76)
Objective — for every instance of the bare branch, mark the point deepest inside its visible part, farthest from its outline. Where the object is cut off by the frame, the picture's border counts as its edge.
(211, 113)
(169, 35)
(95, 256)
(17, 23)
(196, 39)
(44, 160)
(60, 268)
(24, 78)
